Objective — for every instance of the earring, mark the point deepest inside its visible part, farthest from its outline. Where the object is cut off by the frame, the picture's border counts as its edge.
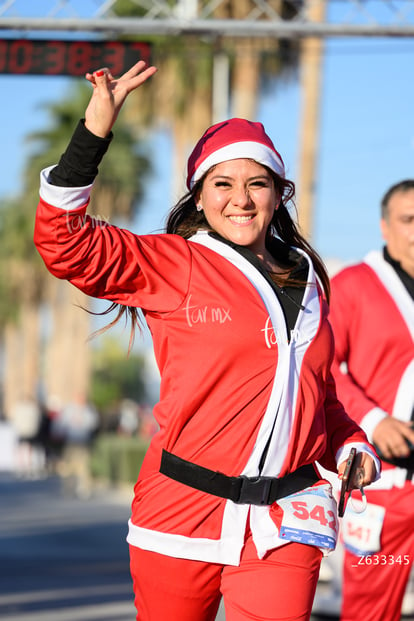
(199, 207)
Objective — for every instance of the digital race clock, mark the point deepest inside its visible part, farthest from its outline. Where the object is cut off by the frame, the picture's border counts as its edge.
(62, 57)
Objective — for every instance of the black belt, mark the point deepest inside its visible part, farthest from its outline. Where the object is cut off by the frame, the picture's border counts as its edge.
(242, 489)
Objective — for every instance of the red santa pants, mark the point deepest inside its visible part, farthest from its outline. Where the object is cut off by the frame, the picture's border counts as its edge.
(373, 588)
(280, 586)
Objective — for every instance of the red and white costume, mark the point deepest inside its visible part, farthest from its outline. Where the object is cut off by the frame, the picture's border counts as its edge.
(231, 378)
(372, 316)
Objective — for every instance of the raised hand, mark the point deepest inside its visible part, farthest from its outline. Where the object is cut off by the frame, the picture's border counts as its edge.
(109, 95)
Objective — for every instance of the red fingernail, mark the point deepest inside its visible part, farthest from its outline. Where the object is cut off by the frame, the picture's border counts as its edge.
(99, 73)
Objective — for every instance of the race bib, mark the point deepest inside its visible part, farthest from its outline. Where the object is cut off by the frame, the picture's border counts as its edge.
(309, 517)
(361, 531)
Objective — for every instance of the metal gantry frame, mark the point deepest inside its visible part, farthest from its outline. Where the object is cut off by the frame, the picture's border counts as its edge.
(367, 18)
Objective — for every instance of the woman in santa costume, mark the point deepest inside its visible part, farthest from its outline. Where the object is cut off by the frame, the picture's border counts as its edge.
(229, 502)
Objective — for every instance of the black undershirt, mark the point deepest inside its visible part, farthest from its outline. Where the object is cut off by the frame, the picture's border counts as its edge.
(289, 296)
(78, 166)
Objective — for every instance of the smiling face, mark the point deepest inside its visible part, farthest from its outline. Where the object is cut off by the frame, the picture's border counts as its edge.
(398, 229)
(239, 199)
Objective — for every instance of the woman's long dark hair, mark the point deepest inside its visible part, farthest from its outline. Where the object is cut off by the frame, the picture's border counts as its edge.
(185, 220)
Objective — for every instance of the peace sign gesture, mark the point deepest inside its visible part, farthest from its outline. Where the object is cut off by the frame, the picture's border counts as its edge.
(109, 95)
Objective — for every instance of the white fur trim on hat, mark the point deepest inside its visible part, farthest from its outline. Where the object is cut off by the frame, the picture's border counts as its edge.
(257, 151)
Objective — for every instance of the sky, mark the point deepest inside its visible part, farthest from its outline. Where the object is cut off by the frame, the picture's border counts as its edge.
(366, 139)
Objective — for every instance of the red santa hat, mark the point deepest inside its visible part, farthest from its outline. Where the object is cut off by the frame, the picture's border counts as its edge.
(230, 140)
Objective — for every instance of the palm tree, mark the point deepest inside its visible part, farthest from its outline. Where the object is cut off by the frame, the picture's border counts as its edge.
(255, 61)
(20, 284)
(65, 367)
(183, 97)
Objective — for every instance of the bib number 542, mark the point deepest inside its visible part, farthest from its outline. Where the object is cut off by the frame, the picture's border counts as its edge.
(317, 513)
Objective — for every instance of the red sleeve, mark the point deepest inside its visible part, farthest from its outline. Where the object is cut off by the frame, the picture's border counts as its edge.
(340, 428)
(150, 271)
(344, 320)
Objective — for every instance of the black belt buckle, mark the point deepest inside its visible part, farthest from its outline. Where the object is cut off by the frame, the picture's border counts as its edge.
(255, 490)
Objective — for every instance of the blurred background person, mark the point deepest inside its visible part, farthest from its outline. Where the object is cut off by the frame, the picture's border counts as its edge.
(372, 314)
(26, 417)
(77, 424)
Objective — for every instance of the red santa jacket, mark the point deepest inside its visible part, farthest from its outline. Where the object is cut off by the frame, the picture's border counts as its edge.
(230, 376)
(372, 316)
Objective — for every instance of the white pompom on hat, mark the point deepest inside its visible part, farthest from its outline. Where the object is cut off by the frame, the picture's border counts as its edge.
(230, 140)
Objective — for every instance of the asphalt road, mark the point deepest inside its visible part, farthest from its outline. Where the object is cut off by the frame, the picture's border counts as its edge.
(63, 558)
